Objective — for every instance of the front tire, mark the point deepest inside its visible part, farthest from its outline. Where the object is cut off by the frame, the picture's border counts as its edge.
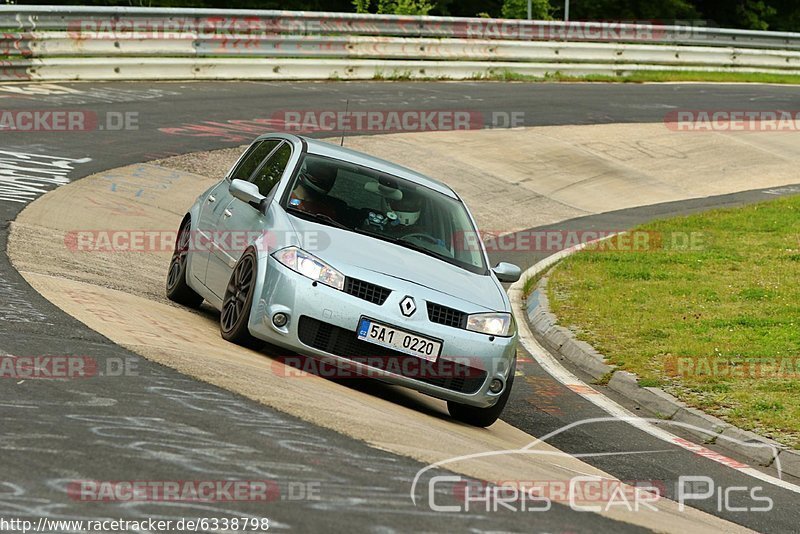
(177, 288)
(483, 417)
(238, 301)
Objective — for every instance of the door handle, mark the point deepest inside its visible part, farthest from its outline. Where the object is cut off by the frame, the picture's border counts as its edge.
(211, 199)
(227, 213)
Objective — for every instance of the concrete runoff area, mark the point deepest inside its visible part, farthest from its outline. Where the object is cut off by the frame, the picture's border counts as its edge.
(120, 295)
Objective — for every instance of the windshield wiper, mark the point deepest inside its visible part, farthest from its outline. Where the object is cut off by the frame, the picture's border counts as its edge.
(319, 217)
(408, 244)
(419, 248)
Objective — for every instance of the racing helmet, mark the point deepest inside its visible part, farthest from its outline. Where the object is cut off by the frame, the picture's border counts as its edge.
(408, 208)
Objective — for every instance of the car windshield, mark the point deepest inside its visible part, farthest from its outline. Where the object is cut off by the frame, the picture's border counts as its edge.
(363, 200)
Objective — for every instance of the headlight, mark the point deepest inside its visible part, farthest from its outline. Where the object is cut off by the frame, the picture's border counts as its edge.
(494, 324)
(310, 266)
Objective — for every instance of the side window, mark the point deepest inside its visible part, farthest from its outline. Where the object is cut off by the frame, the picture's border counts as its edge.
(269, 174)
(252, 159)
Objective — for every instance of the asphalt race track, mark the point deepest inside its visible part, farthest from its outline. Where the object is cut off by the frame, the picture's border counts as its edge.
(161, 425)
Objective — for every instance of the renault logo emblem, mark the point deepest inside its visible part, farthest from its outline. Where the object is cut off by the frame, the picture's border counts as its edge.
(408, 306)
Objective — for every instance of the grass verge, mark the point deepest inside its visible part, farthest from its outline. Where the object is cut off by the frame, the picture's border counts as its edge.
(655, 76)
(706, 306)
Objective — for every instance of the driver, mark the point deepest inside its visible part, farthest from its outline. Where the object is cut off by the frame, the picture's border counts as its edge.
(406, 219)
(313, 186)
(408, 209)
(405, 215)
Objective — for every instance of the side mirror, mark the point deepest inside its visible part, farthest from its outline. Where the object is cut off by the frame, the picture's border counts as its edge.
(506, 272)
(246, 192)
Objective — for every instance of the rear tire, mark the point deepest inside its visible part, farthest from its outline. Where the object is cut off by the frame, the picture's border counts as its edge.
(483, 417)
(238, 301)
(177, 288)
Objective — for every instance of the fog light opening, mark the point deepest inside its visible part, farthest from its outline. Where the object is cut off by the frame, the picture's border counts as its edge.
(280, 319)
(496, 385)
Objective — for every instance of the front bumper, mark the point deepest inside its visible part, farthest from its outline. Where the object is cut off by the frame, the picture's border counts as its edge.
(317, 312)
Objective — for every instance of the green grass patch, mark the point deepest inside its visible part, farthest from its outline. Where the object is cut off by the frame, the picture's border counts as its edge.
(651, 76)
(710, 311)
(530, 283)
(393, 76)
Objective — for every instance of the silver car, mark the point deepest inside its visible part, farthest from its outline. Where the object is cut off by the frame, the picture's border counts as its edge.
(366, 266)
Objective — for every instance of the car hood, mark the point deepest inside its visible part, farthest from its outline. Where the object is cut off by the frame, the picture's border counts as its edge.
(342, 248)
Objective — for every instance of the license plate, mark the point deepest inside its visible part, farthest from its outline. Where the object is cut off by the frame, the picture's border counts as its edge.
(399, 340)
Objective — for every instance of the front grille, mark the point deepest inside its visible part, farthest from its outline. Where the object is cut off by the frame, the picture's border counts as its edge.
(446, 316)
(364, 290)
(345, 344)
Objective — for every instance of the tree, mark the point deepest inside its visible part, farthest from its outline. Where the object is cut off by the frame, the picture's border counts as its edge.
(395, 7)
(518, 9)
(632, 10)
(786, 17)
(362, 6)
(753, 14)
(470, 8)
(412, 7)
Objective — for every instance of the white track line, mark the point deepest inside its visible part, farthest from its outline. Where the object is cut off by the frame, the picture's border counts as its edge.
(618, 412)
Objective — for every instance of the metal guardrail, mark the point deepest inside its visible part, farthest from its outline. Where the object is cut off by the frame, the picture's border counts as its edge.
(61, 44)
(76, 42)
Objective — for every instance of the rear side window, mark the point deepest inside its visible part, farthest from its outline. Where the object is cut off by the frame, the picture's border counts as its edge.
(270, 172)
(252, 159)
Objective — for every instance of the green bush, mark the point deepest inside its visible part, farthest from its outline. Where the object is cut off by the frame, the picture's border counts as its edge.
(395, 7)
(518, 9)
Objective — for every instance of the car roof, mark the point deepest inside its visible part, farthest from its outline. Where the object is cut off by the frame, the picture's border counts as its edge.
(321, 148)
